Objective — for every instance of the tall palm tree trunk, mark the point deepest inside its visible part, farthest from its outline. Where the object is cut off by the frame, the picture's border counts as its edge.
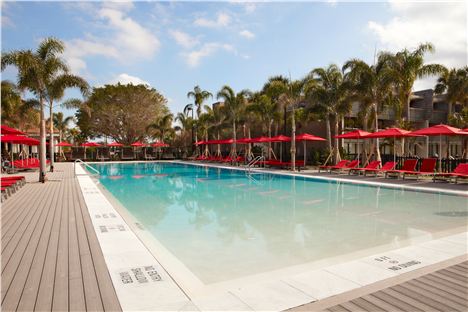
(269, 143)
(329, 138)
(377, 143)
(293, 140)
(337, 148)
(234, 152)
(42, 144)
(51, 136)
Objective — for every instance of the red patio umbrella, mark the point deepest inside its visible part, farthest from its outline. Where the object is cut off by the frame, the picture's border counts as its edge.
(304, 137)
(244, 141)
(114, 144)
(9, 130)
(390, 133)
(64, 144)
(440, 130)
(159, 144)
(137, 144)
(355, 134)
(200, 143)
(90, 144)
(18, 139)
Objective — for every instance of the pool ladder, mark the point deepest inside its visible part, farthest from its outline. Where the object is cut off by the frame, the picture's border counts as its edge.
(252, 163)
(87, 166)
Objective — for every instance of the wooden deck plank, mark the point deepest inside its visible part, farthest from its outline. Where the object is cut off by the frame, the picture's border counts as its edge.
(450, 279)
(439, 290)
(379, 302)
(396, 301)
(415, 303)
(366, 305)
(46, 288)
(24, 258)
(431, 297)
(76, 286)
(10, 240)
(28, 298)
(430, 279)
(11, 213)
(60, 298)
(51, 259)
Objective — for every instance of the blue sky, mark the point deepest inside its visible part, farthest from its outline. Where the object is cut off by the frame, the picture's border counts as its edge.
(174, 46)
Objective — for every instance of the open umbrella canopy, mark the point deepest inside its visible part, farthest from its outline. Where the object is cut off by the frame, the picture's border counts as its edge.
(440, 130)
(18, 139)
(64, 144)
(261, 139)
(389, 133)
(355, 134)
(159, 144)
(90, 144)
(244, 141)
(200, 143)
(114, 144)
(308, 137)
(280, 138)
(9, 130)
(137, 144)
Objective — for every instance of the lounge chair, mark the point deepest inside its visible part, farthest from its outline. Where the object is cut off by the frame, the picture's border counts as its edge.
(27, 164)
(10, 185)
(148, 153)
(460, 172)
(77, 153)
(408, 165)
(389, 165)
(103, 154)
(340, 164)
(372, 165)
(427, 168)
(351, 165)
(128, 153)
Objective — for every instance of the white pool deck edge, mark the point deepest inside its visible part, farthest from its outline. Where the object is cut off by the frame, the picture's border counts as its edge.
(123, 250)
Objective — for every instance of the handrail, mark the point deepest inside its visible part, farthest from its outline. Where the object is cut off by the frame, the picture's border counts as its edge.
(253, 162)
(86, 164)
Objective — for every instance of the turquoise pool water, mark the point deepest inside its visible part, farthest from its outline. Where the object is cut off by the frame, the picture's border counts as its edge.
(222, 224)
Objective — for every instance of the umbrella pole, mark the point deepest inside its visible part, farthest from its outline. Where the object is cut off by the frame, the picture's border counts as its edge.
(394, 149)
(440, 153)
(304, 153)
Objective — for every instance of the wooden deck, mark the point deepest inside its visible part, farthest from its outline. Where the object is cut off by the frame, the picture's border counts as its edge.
(51, 259)
(443, 290)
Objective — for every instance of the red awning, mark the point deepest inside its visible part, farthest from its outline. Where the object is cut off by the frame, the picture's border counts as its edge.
(9, 130)
(18, 139)
(90, 144)
(64, 144)
(308, 137)
(439, 130)
(355, 134)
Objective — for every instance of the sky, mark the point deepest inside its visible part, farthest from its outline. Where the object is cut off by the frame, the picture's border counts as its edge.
(173, 46)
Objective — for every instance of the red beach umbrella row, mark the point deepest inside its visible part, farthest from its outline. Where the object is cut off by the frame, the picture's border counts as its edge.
(9, 130)
(18, 139)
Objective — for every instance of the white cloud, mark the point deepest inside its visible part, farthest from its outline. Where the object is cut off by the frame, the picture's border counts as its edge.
(222, 20)
(247, 34)
(124, 39)
(443, 24)
(249, 7)
(183, 39)
(193, 58)
(126, 79)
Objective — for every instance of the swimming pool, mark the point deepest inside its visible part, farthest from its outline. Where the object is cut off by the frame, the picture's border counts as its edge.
(223, 224)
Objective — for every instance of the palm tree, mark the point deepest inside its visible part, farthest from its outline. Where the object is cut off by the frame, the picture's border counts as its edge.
(199, 97)
(233, 105)
(405, 67)
(373, 88)
(36, 72)
(161, 126)
(265, 110)
(61, 124)
(330, 94)
(59, 80)
(455, 83)
(17, 112)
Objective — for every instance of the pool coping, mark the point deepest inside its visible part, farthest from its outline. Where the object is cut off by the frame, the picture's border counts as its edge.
(268, 294)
